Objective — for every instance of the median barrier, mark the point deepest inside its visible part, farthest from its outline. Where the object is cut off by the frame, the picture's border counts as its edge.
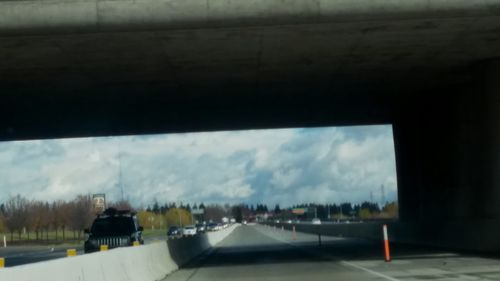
(149, 262)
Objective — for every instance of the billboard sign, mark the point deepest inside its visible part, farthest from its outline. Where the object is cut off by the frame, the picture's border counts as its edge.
(299, 211)
(99, 203)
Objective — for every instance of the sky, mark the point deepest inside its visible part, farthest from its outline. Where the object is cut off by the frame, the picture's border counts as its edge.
(284, 166)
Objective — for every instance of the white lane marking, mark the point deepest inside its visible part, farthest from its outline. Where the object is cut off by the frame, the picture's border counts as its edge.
(370, 271)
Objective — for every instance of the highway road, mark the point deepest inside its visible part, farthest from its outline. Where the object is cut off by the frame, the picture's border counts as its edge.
(264, 253)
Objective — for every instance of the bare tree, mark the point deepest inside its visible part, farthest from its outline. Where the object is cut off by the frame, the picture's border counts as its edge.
(214, 212)
(57, 216)
(16, 215)
(80, 213)
(35, 217)
(121, 205)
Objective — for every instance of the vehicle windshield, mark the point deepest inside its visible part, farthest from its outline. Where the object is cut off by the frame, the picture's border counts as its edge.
(112, 226)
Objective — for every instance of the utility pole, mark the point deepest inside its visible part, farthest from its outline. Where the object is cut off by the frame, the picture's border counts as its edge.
(340, 211)
(120, 180)
(382, 191)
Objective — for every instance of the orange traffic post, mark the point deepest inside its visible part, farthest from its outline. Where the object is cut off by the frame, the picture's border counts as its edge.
(71, 253)
(294, 235)
(387, 253)
(2, 262)
(104, 248)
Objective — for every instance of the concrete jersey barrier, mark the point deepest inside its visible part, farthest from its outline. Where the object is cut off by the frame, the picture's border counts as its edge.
(145, 263)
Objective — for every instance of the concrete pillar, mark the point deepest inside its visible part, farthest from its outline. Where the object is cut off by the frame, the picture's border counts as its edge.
(448, 152)
(491, 193)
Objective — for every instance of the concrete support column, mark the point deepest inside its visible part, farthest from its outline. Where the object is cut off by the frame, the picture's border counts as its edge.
(491, 193)
(448, 152)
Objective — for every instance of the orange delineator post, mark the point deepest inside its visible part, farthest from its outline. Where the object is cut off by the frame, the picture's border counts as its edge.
(2, 262)
(387, 253)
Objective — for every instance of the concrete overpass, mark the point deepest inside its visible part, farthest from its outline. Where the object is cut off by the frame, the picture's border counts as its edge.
(114, 67)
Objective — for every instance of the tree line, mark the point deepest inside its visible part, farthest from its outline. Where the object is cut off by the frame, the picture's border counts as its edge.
(35, 219)
(42, 220)
(346, 210)
(39, 220)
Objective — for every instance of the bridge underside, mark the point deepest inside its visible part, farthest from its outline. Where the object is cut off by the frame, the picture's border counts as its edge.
(430, 73)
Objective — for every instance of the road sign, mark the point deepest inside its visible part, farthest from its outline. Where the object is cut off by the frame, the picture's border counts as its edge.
(299, 211)
(99, 203)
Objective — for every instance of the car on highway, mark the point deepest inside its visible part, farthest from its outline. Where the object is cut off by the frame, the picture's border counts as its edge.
(212, 226)
(316, 221)
(113, 228)
(189, 230)
(289, 221)
(244, 222)
(201, 228)
(174, 232)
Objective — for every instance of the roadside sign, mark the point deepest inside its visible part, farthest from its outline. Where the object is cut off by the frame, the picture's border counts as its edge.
(299, 211)
(99, 203)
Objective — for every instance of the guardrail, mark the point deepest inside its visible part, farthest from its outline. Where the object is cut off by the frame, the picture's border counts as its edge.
(147, 262)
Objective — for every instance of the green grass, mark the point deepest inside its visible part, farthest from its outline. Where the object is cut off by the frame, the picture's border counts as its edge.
(71, 237)
(152, 233)
(69, 240)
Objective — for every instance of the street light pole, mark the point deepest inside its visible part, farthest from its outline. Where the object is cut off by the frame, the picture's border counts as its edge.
(340, 211)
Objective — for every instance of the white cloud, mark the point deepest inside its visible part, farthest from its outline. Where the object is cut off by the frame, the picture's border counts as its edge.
(283, 178)
(286, 166)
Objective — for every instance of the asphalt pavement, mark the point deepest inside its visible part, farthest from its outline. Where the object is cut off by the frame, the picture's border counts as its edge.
(264, 253)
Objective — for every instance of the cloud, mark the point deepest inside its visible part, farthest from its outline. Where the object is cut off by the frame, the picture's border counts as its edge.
(286, 166)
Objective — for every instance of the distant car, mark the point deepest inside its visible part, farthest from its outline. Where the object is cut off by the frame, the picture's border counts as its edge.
(277, 221)
(174, 232)
(243, 222)
(289, 221)
(200, 228)
(212, 226)
(113, 228)
(316, 221)
(189, 230)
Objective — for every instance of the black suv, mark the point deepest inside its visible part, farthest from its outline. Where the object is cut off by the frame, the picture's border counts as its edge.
(113, 228)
